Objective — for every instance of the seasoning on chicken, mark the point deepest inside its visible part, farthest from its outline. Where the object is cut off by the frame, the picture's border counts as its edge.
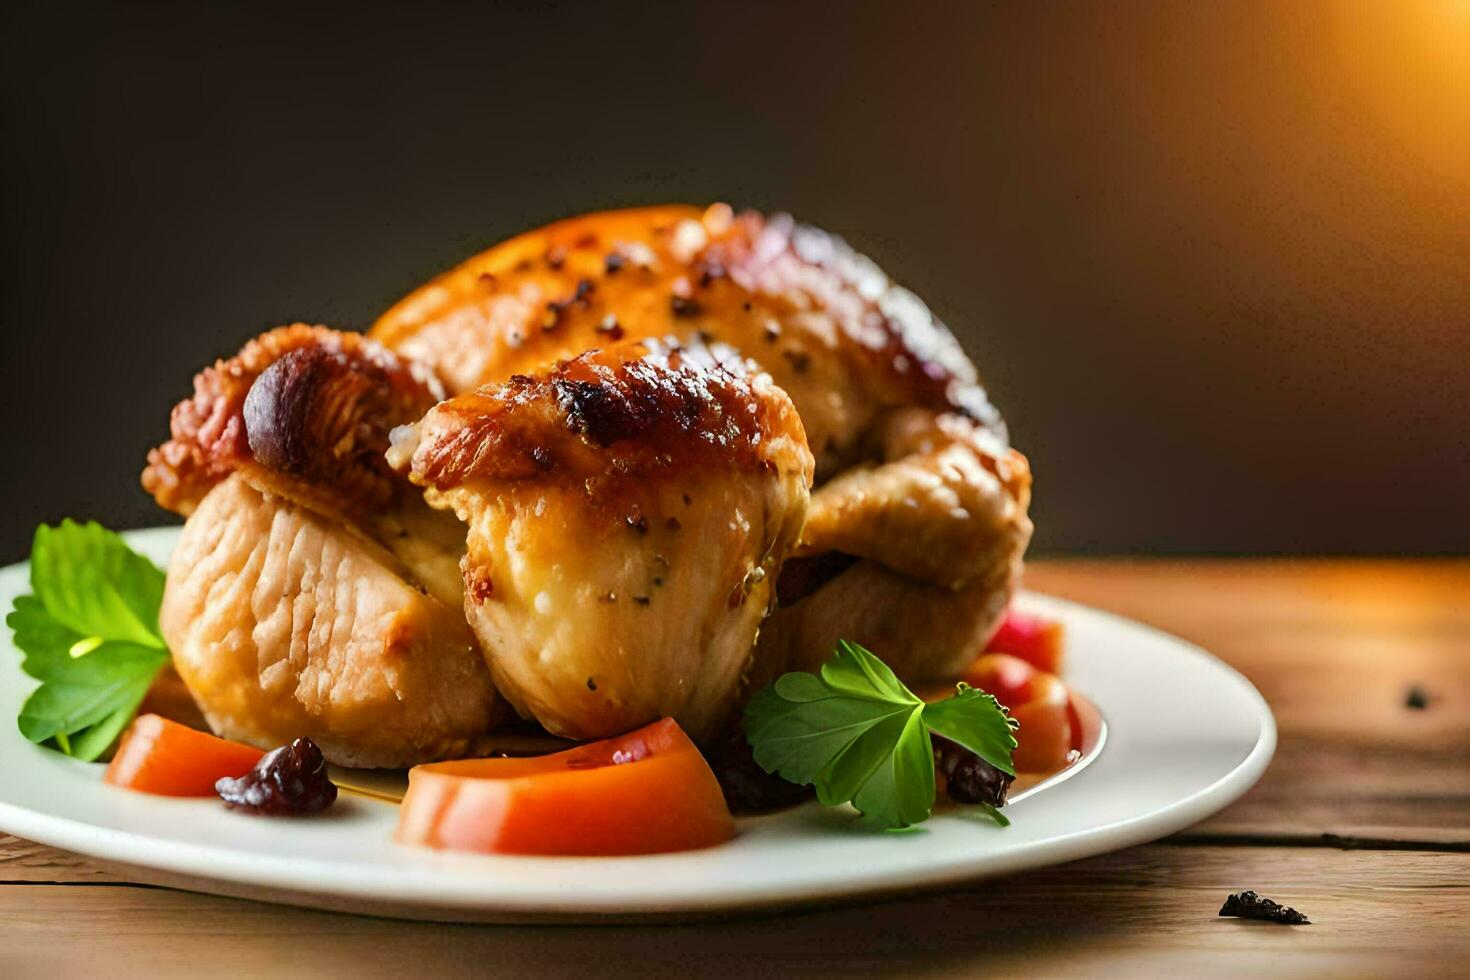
(629, 511)
(920, 506)
(313, 592)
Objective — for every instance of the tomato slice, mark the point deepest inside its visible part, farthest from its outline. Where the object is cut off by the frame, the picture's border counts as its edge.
(1074, 718)
(168, 759)
(1035, 639)
(1038, 700)
(646, 792)
(1012, 680)
(1044, 740)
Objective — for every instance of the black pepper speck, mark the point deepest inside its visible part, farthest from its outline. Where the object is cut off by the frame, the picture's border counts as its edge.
(1249, 905)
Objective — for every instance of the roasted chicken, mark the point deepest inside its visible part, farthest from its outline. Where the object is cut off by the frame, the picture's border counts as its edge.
(628, 514)
(916, 529)
(313, 592)
(596, 528)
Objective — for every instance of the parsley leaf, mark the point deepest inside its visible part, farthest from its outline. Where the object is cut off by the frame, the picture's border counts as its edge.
(90, 636)
(858, 735)
(969, 718)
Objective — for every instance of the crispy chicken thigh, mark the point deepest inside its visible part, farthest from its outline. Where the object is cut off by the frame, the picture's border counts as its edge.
(920, 506)
(312, 591)
(628, 511)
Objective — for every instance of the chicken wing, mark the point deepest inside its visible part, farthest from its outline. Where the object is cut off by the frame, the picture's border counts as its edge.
(628, 511)
(942, 501)
(312, 591)
(913, 471)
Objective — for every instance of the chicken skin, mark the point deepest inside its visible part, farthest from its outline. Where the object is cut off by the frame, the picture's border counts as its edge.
(825, 323)
(628, 514)
(916, 553)
(312, 591)
(920, 506)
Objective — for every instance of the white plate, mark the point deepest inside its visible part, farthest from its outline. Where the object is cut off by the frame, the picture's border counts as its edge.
(1186, 736)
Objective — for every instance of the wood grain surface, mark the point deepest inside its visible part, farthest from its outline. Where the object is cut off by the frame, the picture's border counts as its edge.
(1362, 822)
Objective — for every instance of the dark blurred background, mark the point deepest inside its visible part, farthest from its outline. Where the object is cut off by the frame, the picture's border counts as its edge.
(1212, 259)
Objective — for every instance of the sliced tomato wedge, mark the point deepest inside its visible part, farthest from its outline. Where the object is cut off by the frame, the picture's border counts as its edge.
(646, 792)
(168, 759)
(1012, 680)
(1035, 639)
(1038, 700)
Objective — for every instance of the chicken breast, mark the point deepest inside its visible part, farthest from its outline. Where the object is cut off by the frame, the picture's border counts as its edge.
(286, 623)
(913, 471)
(313, 592)
(628, 512)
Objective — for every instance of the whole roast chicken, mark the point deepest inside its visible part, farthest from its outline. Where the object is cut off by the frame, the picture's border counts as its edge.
(914, 535)
(612, 518)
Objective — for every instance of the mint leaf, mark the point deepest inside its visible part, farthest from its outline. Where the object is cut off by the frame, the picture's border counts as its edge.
(82, 693)
(857, 735)
(977, 721)
(92, 583)
(89, 744)
(45, 642)
(89, 634)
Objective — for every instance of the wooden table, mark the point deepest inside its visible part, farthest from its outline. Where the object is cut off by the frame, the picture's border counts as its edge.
(1363, 822)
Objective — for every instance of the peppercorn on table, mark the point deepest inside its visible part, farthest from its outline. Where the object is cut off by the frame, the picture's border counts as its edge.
(1362, 822)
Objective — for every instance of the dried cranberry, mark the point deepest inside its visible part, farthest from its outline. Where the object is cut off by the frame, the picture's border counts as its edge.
(746, 785)
(967, 777)
(289, 780)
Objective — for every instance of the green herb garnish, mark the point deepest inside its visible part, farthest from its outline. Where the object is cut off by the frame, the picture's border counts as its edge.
(859, 736)
(89, 632)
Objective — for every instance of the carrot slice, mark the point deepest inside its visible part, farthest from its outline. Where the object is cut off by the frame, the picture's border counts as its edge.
(168, 759)
(646, 792)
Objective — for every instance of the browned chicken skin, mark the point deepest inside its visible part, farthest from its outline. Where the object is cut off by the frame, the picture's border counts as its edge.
(312, 591)
(825, 323)
(628, 513)
(914, 475)
(315, 424)
(920, 505)
(628, 509)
